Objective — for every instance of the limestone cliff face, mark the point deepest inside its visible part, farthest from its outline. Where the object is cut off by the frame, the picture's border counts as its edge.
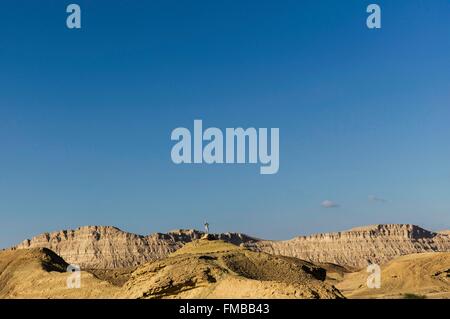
(359, 246)
(104, 247)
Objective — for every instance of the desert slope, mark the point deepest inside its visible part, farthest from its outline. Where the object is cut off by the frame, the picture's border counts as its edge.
(205, 268)
(216, 269)
(107, 247)
(357, 247)
(40, 273)
(103, 247)
(426, 274)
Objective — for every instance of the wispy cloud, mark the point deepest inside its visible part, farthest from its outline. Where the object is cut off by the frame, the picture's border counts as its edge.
(329, 204)
(373, 198)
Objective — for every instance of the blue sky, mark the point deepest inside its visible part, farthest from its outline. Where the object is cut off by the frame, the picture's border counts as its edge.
(86, 115)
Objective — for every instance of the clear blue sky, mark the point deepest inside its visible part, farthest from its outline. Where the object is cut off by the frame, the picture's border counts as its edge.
(86, 115)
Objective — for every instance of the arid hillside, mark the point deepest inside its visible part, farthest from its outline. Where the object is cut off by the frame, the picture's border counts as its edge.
(103, 247)
(107, 247)
(216, 269)
(201, 269)
(179, 265)
(411, 276)
(40, 273)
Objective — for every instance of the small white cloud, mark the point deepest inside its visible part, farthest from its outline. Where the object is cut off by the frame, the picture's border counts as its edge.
(373, 198)
(329, 204)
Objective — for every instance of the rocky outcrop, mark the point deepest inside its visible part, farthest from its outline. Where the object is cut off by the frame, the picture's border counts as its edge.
(205, 268)
(104, 247)
(39, 273)
(358, 247)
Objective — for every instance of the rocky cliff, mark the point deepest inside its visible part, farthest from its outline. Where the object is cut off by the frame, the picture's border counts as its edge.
(104, 247)
(357, 247)
(214, 269)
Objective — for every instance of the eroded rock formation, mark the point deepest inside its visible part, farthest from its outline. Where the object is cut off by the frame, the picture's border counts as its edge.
(357, 247)
(104, 247)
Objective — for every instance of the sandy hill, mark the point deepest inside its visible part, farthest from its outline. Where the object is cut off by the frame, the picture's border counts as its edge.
(102, 247)
(40, 273)
(426, 274)
(214, 269)
(200, 269)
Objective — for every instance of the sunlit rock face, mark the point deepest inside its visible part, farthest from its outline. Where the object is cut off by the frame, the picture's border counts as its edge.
(105, 247)
(357, 247)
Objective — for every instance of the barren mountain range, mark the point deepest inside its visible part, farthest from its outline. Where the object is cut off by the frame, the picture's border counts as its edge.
(205, 268)
(105, 247)
(190, 264)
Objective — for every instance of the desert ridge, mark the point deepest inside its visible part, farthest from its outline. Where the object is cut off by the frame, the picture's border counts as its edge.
(188, 264)
(209, 268)
(201, 269)
(107, 247)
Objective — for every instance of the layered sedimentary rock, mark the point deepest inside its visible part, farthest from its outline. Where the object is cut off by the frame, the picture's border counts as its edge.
(104, 247)
(358, 247)
(205, 268)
